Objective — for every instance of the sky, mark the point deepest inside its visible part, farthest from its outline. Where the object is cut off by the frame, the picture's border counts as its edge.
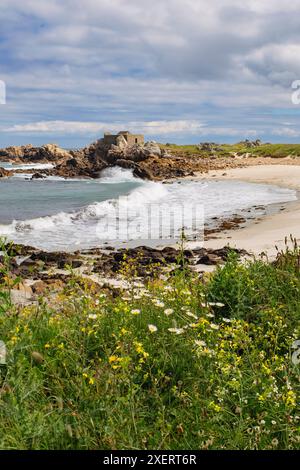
(178, 71)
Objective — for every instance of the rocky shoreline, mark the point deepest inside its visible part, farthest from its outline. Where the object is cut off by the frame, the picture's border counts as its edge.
(147, 161)
(42, 272)
(34, 272)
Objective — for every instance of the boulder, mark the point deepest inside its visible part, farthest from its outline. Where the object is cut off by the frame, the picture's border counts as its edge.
(37, 176)
(151, 149)
(5, 173)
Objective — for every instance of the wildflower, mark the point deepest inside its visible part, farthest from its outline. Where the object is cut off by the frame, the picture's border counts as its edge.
(158, 303)
(215, 407)
(47, 346)
(92, 316)
(91, 381)
(152, 328)
(214, 326)
(168, 311)
(140, 350)
(216, 304)
(138, 284)
(177, 331)
(199, 342)
(226, 320)
(273, 422)
(112, 359)
(275, 442)
(14, 339)
(210, 315)
(192, 315)
(135, 311)
(290, 398)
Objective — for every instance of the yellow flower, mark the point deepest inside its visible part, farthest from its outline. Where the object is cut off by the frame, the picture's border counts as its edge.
(213, 406)
(140, 350)
(47, 346)
(290, 398)
(91, 381)
(14, 339)
(113, 359)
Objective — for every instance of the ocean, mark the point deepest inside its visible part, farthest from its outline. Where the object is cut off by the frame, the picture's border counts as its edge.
(57, 214)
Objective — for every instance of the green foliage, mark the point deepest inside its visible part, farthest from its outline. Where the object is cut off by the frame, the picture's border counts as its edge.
(181, 363)
(226, 150)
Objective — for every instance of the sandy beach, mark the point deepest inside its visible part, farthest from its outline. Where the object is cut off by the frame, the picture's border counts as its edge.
(262, 235)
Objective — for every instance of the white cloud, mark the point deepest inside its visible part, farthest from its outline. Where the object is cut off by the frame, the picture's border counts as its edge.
(86, 128)
(172, 62)
(161, 128)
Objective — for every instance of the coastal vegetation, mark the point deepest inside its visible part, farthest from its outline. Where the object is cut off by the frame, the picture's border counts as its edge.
(172, 362)
(227, 150)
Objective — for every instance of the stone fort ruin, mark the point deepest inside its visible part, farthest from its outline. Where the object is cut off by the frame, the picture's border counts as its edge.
(131, 139)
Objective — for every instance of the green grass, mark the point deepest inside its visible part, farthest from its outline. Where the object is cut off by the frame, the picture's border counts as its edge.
(225, 150)
(181, 363)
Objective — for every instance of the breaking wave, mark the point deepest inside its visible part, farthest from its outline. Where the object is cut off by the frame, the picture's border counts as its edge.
(95, 223)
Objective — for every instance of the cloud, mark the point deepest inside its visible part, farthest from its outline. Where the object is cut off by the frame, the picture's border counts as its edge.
(161, 128)
(224, 64)
(73, 127)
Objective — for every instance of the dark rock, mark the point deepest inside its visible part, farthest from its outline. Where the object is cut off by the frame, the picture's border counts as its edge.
(37, 176)
(5, 173)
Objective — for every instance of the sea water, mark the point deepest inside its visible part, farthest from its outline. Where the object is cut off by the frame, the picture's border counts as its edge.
(58, 214)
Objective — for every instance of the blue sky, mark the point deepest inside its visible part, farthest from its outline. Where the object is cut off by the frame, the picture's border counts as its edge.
(178, 71)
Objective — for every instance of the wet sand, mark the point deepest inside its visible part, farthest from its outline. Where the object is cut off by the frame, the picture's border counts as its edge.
(261, 236)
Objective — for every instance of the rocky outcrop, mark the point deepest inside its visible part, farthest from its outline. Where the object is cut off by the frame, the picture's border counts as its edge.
(92, 160)
(210, 147)
(52, 153)
(147, 161)
(28, 153)
(123, 151)
(5, 173)
(37, 176)
(13, 153)
(251, 143)
(44, 268)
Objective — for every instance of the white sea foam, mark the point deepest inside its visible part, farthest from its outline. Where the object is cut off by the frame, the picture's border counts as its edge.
(115, 175)
(85, 227)
(27, 166)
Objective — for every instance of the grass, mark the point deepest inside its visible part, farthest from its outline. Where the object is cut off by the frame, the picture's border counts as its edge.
(181, 363)
(226, 150)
